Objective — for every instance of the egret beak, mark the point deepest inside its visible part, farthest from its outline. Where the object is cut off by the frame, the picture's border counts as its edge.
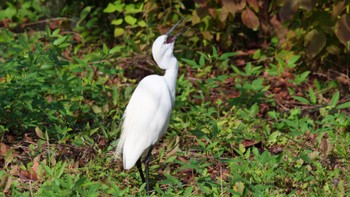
(171, 39)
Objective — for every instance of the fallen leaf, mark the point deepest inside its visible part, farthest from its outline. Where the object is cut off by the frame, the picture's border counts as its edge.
(3, 149)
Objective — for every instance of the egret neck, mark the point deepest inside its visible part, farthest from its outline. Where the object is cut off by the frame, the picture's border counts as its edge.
(171, 75)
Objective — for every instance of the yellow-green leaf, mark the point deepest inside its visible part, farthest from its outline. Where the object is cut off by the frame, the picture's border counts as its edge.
(130, 20)
(118, 32)
(39, 133)
(117, 21)
(110, 8)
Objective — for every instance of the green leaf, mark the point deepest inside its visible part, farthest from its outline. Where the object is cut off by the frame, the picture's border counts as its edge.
(344, 105)
(142, 23)
(110, 8)
(85, 12)
(301, 99)
(55, 33)
(273, 137)
(190, 62)
(96, 109)
(202, 61)
(312, 95)
(117, 21)
(130, 20)
(60, 172)
(60, 40)
(8, 12)
(115, 50)
(227, 55)
(115, 95)
(334, 99)
(215, 53)
(104, 49)
(118, 32)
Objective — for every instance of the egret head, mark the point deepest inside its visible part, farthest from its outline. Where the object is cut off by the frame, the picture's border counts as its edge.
(163, 46)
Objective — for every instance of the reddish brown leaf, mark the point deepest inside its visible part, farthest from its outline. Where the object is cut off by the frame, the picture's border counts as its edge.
(338, 9)
(223, 15)
(3, 149)
(249, 19)
(254, 4)
(288, 9)
(314, 42)
(342, 29)
(233, 6)
(308, 4)
(249, 143)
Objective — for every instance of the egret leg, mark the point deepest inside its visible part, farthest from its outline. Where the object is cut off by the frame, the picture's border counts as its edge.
(139, 167)
(147, 160)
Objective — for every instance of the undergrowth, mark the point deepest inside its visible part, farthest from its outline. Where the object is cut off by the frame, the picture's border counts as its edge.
(262, 129)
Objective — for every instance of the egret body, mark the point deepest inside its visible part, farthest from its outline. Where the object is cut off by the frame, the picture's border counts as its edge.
(146, 117)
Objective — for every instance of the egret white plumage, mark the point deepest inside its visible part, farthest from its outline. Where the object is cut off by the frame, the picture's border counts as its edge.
(146, 117)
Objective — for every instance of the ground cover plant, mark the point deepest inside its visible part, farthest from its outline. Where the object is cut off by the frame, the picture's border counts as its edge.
(262, 104)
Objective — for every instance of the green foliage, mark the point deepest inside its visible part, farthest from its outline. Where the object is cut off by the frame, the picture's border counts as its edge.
(44, 90)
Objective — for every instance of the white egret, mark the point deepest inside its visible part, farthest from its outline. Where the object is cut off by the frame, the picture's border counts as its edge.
(146, 117)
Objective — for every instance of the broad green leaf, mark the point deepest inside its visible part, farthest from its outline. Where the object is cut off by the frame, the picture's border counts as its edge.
(130, 20)
(142, 23)
(273, 137)
(118, 32)
(257, 54)
(334, 99)
(117, 21)
(9, 12)
(110, 8)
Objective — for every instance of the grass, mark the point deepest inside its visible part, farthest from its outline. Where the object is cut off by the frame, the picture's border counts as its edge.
(258, 130)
